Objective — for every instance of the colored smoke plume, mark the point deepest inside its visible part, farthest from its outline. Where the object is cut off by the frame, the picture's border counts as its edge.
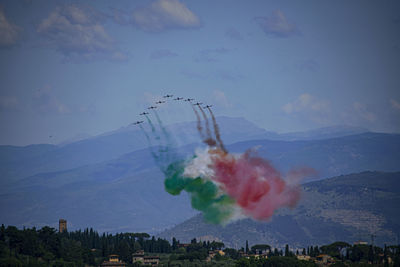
(222, 185)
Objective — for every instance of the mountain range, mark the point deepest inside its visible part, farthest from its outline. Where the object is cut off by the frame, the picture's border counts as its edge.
(362, 206)
(110, 181)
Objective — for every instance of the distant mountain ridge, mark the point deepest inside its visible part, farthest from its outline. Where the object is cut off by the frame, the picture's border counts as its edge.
(20, 162)
(345, 208)
(129, 190)
(115, 175)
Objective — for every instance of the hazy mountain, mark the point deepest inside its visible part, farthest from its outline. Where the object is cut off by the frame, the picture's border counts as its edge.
(346, 208)
(128, 194)
(19, 162)
(323, 133)
(331, 157)
(75, 138)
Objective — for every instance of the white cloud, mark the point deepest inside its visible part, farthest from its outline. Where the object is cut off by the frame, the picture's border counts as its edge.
(395, 104)
(78, 33)
(221, 99)
(311, 108)
(277, 25)
(362, 111)
(306, 102)
(163, 15)
(45, 101)
(9, 33)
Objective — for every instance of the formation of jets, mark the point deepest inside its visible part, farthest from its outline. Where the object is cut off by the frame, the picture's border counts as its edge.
(161, 102)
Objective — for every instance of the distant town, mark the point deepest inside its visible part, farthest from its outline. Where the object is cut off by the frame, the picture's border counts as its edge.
(51, 247)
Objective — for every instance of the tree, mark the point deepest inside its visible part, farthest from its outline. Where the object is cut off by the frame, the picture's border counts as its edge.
(247, 247)
(260, 248)
(217, 245)
(287, 252)
(174, 243)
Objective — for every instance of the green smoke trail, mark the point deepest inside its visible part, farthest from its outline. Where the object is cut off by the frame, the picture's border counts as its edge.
(153, 129)
(149, 142)
(167, 136)
(204, 194)
(167, 152)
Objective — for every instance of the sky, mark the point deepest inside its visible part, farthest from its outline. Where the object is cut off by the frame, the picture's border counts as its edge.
(72, 68)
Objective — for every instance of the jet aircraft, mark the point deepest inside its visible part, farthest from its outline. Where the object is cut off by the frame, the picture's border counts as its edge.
(138, 122)
(160, 102)
(151, 107)
(197, 104)
(168, 96)
(144, 113)
(189, 99)
(178, 98)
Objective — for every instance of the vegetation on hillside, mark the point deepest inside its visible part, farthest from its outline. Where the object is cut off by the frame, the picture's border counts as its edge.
(47, 247)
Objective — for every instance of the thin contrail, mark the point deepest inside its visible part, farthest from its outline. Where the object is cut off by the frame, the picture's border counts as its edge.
(149, 141)
(208, 140)
(216, 131)
(199, 127)
(153, 129)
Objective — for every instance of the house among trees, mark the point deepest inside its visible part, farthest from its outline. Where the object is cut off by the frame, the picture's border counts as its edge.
(360, 242)
(113, 261)
(139, 257)
(303, 257)
(324, 259)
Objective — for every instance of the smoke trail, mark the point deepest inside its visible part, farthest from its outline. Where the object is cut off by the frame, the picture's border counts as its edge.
(167, 153)
(205, 195)
(199, 127)
(153, 129)
(216, 131)
(149, 142)
(166, 135)
(257, 187)
(209, 140)
(221, 185)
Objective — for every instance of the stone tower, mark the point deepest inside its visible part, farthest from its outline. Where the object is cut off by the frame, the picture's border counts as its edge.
(62, 225)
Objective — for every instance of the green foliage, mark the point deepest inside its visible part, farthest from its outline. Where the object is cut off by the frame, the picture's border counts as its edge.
(260, 248)
(43, 247)
(47, 247)
(273, 262)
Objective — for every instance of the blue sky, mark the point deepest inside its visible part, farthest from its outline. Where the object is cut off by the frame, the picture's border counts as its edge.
(72, 67)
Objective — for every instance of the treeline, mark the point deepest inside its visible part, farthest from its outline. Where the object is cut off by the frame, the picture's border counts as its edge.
(47, 247)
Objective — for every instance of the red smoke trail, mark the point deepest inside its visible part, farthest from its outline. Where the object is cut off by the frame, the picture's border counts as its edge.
(209, 140)
(254, 183)
(216, 131)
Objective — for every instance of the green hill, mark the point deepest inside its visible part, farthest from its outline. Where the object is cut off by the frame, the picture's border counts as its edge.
(346, 208)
